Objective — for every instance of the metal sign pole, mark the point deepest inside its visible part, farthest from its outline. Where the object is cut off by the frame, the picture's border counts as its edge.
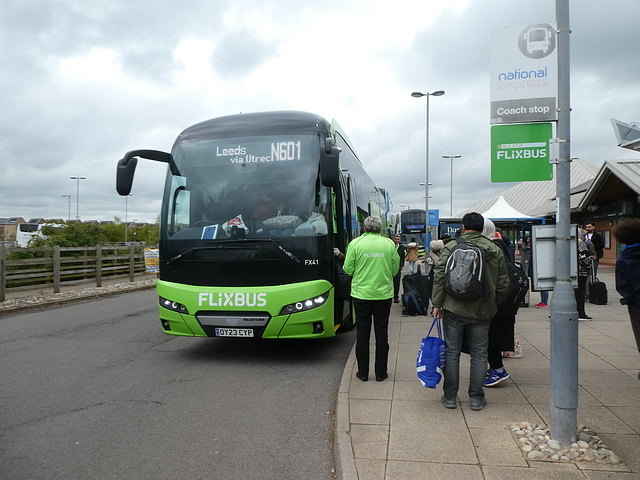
(564, 314)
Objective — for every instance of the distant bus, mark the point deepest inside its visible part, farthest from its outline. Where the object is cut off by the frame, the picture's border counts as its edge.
(412, 223)
(253, 208)
(450, 228)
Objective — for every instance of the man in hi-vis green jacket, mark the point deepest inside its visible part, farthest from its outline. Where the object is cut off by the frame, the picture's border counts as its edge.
(372, 260)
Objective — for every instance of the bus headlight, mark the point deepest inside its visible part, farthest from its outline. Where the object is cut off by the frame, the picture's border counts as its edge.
(170, 305)
(305, 305)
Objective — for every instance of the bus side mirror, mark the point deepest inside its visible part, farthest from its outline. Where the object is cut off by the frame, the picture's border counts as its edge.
(124, 175)
(127, 167)
(329, 159)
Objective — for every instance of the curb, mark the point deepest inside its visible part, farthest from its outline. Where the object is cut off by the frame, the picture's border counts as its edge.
(344, 456)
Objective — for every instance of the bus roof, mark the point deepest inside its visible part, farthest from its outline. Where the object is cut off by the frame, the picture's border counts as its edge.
(336, 128)
(262, 123)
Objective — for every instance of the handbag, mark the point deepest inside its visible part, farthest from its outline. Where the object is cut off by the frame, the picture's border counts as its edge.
(430, 361)
(517, 347)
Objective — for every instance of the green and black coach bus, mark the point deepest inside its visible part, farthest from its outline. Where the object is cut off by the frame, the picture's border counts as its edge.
(254, 208)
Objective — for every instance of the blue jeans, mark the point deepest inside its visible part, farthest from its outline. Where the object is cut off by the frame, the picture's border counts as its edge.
(477, 333)
(544, 296)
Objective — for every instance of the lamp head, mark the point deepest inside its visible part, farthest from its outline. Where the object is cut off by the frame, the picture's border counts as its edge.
(437, 93)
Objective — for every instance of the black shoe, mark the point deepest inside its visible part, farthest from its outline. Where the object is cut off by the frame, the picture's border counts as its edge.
(362, 377)
(448, 403)
(478, 405)
(395, 300)
(381, 377)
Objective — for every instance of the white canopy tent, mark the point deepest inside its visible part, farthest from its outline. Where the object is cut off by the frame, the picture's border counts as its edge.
(501, 210)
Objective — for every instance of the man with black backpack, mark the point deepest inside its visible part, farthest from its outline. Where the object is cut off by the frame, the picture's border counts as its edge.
(470, 280)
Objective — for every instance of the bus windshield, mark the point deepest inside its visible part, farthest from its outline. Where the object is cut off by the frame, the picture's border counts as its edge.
(245, 187)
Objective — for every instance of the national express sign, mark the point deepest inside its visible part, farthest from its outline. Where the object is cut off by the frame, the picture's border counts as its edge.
(524, 90)
(524, 85)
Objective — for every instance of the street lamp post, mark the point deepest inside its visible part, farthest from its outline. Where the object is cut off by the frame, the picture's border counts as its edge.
(451, 157)
(77, 179)
(427, 233)
(69, 212)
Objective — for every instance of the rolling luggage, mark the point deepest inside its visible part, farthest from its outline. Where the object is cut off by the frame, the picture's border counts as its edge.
(417, 282)
(598, 293)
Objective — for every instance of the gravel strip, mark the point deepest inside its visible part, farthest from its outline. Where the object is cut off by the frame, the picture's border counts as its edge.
(49, 299)
(536, 444)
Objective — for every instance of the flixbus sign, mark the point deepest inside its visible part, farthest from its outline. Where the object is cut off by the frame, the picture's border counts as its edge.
(520, 152)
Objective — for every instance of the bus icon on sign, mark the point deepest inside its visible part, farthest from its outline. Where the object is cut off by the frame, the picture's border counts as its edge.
(537, 40)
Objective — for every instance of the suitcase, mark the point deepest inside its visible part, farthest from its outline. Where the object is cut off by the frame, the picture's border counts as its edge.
(419, 282)
(598, 293)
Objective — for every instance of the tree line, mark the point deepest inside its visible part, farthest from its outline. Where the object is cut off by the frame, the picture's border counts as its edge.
(78, 234)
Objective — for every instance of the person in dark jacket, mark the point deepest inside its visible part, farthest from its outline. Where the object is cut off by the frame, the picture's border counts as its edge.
(502, 327)
(402, 253)
(628, 271)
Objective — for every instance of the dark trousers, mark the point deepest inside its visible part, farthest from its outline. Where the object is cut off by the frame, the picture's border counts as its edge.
(634, 315)
(494, 355)
(366, 311)
(396, 284)
(581, 293)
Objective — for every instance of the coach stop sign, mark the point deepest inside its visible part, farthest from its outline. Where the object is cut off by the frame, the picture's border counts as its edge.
(520, 152)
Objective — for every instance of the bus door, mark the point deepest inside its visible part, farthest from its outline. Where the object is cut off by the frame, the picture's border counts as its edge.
(342, 236)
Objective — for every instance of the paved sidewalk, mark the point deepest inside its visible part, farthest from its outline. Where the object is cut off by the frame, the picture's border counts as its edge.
(397, 429)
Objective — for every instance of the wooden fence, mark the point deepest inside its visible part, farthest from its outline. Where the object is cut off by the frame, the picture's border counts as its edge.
(33, 268)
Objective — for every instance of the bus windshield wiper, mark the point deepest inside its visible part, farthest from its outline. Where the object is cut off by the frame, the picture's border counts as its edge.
(186, 253)
(286, 252)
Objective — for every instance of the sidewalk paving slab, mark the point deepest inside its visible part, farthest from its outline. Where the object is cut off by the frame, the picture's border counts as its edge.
(397, 429)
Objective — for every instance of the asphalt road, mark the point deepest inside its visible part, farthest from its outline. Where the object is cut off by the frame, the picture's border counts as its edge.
(95, 390)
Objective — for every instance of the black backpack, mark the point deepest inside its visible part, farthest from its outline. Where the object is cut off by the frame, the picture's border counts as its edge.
(518, 288)
(518, 282)
(464, 271)
(412, 305)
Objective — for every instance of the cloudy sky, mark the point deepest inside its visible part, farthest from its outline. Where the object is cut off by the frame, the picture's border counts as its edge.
(85, 82)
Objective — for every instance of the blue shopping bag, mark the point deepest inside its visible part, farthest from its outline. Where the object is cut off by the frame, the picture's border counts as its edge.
(430, 360)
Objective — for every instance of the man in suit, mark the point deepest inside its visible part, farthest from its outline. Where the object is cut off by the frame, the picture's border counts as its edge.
(402, 253)
(593, 237)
